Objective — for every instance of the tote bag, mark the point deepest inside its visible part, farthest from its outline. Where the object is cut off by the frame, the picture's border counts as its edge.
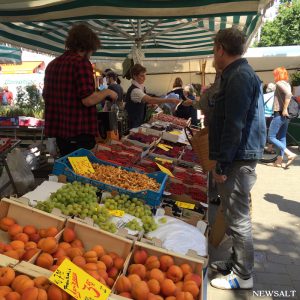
(199, 143)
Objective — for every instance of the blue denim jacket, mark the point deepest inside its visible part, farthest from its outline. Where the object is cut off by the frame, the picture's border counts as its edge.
(237, 129)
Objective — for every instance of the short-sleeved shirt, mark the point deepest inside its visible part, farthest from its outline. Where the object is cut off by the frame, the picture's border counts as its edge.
(68, 80)
(283, 91)
(137, 95)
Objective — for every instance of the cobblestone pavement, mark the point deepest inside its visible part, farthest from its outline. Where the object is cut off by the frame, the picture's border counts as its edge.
(276, 233)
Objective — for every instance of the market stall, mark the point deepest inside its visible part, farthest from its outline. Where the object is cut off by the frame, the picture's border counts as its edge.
(128, 220)
(125, 218)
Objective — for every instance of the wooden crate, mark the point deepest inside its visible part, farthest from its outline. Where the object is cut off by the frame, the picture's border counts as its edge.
(197, 264)
(26, 215)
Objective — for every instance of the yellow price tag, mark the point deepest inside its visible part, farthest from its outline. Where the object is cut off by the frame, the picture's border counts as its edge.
(117, 213)
(185, 205)
(81, 165)
(175, 132)
(163, 160)
(161, 146)
(165, 170)
(167, 146)
(78, 283)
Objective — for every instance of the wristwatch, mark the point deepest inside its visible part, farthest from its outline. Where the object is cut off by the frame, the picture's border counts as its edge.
(219, 170)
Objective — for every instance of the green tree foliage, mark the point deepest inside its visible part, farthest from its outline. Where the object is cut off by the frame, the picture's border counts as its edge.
(30, 100)
(284, 30)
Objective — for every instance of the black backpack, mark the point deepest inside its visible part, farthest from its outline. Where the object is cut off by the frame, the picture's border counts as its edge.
(293, 108)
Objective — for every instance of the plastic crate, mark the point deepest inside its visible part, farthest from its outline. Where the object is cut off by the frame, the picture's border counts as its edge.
(62, 166)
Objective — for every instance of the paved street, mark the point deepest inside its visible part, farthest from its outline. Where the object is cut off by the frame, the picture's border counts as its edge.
(276, 232)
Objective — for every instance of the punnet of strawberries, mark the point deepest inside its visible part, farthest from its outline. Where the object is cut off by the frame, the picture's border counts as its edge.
(142, 138)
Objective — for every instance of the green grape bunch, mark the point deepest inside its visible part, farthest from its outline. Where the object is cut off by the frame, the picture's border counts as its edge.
(134, 225)
(134, 207)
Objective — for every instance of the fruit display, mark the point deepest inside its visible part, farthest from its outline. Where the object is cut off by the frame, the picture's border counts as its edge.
(165, 126)
(134, 207)
(150, 166)
(168, 118)
(177, 188)
(119, 158)
(102, 265)
(25, 241)
(191, 178)
(142, 138)
(15, 286)
(124, 179)
(159, 277)
(77, 199)
(175, 151)
(134, 225)
(190, 156)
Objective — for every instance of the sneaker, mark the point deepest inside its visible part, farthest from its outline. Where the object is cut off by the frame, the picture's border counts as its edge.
(222, 265)
(232, 282)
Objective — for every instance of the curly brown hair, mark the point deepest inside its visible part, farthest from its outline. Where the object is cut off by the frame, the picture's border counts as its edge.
(82, 38)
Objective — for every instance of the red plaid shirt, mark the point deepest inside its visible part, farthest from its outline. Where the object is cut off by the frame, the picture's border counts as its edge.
(68, 80)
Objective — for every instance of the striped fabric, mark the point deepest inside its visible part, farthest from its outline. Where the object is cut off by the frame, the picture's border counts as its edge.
(163, 28)
(9, 55)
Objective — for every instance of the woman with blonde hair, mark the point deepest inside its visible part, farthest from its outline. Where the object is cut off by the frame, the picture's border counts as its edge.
(280, 122)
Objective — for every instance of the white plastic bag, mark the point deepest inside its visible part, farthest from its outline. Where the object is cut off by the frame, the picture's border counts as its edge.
(179, 236)
(51, 146)
(20, 171)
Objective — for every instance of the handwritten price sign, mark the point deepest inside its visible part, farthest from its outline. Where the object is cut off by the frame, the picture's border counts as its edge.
(185, 205)
(81, 165)
(117, 213)
(165, 170)
(78, 283)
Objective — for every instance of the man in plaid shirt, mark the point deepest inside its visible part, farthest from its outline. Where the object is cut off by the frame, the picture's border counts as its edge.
(69, 93)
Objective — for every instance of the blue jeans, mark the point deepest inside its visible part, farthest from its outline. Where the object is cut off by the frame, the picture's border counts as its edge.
(234, 193)
(277, 132)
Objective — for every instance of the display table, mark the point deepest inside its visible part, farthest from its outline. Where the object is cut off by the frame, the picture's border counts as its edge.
(23, 132)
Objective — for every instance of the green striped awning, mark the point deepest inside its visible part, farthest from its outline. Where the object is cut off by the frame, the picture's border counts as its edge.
(9, 55)
(162, 28)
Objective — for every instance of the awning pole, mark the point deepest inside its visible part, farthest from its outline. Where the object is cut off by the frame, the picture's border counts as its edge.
(139, 34)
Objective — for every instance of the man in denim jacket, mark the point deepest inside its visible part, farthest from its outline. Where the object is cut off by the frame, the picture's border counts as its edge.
(237, 135)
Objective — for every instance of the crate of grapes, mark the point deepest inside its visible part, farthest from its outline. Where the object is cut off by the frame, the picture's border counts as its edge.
(152, 197)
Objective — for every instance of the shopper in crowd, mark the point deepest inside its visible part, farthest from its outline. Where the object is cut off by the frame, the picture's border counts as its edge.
(182, 111)
(69, 93)
(111, 78)
(280, 122)
(7, 96)
(1, 95)
(191, 94)
(137, 99)
(237, 135)
(269, 91)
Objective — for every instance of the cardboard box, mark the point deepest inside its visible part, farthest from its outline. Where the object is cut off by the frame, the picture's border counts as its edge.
(25, 215)
(197, 264)
(122, 232)
(218, 229)
(6, 261)
(127, 141)
(90, 236)
(186, 197)
(93, 236)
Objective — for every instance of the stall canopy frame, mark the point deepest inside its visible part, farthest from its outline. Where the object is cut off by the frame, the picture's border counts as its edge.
(161, 29)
